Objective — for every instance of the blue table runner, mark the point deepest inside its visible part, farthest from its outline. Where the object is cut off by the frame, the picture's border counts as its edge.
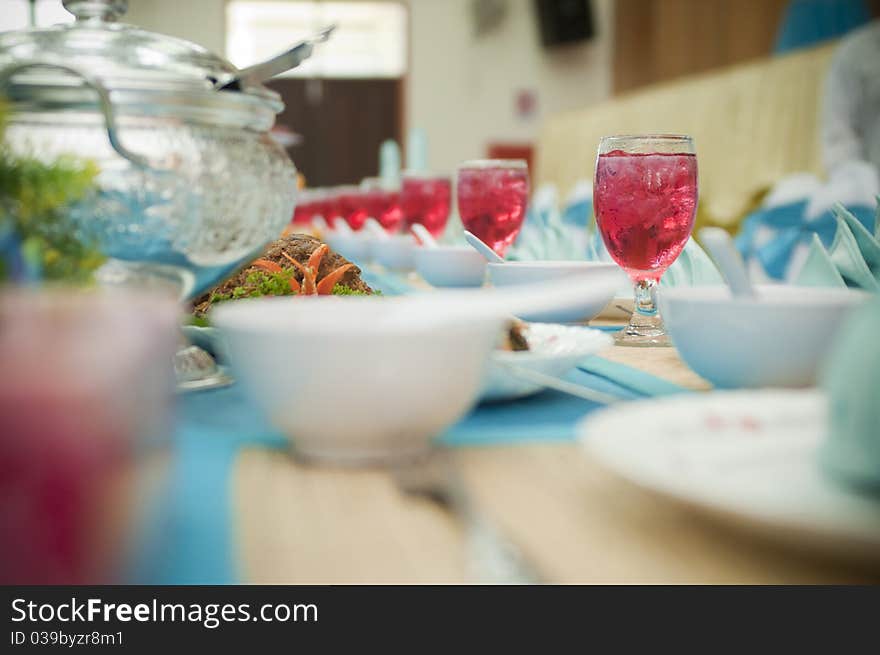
(197, 542)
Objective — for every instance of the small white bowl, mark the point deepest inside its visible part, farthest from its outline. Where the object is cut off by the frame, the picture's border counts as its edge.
(397, 253)
(779, 339)
(531, 272)
(354, 246)
(451, 266)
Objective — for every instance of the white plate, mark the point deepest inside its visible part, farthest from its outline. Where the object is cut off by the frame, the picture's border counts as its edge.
(553, 350)
(748, 458)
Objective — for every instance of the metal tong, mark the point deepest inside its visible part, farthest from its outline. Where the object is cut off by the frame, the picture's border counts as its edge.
(287, 60)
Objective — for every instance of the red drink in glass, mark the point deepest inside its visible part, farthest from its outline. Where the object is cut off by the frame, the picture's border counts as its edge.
(645, 205)
(306, 208)
(492, 198)
(425, 200)
(645, 199)
(329, 207)
(384, 206)
(351, 207)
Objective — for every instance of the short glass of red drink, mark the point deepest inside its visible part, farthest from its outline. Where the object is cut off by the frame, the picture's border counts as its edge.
(425, 199)
(492, 199)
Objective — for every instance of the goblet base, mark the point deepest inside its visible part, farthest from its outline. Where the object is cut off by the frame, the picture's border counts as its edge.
(639, 337)
(644, 329)
(645, 325)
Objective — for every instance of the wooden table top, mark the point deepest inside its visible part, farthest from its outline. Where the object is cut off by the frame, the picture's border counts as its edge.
(579, 524)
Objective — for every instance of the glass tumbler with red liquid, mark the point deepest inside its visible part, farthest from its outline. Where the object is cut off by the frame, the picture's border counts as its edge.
(382, 203)
(425, 199)
(492, 199)
(645, 199)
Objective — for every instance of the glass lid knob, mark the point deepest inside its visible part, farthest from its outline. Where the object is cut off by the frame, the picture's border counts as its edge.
(102, 10)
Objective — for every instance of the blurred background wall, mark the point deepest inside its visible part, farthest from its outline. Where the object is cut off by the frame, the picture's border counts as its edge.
(477, 77)
(461, 88)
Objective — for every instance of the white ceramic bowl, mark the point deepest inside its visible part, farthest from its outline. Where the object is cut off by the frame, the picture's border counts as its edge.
(371, 379)
(354, 246)
(520, 273)
(397, 253)
(451, 266)
(358, 380)
(779, 339)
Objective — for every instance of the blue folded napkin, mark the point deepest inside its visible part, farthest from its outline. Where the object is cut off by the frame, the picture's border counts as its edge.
(779, 235)
(852, 258)
(692, 268)
(851, 451)
(546, 234)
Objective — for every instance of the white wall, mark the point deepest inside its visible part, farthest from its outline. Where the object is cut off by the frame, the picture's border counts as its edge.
(200, 21)
(461, 88)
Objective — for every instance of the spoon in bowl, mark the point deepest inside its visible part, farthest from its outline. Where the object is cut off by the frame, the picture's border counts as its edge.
(720, 246)
(342, 227)
(426, 239)
(321, 225)
(480, 246)
(376, 230)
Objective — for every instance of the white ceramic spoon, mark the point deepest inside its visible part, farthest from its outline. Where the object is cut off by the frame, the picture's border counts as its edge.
(376, 230)
(425, 238)
(720, 246)
(342, 227)
(478, 245)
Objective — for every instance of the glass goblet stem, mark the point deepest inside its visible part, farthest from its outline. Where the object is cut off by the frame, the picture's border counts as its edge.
(645, 325)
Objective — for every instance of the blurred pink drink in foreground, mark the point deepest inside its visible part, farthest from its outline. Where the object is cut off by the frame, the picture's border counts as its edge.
(86, 377)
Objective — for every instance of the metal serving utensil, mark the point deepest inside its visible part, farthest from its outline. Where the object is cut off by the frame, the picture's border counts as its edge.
(491, 558)
(276, 65)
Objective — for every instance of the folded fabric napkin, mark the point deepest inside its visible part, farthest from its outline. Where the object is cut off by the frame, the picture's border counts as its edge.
(851, 451)
(852, 259)
(693, 268)
(545, 235)
(777, 238)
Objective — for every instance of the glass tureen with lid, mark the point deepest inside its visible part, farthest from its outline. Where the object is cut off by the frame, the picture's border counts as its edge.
(191, 185)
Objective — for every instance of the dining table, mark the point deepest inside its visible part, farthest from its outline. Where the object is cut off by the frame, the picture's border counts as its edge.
(292, 522)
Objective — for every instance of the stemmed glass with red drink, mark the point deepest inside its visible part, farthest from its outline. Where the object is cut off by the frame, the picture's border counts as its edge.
(645, 199)
(492, 199)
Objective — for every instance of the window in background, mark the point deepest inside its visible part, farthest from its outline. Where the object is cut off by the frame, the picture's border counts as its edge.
(370, 41)
(15, 14)
(341, 104)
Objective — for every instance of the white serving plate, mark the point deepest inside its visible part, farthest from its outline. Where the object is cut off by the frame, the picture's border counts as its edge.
(553, 350)
(748, 459)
